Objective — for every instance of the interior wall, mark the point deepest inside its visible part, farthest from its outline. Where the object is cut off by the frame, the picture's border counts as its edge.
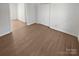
(43, 13)
(13, 11)
(17, 11)
(65, 17)
(4, 19)
(21, 11)
(61, 16)
(30, 13)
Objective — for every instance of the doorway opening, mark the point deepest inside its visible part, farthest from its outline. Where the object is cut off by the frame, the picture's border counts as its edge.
(17, 16)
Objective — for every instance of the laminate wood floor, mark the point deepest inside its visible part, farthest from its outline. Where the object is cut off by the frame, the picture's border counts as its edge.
(16, 24)
(38, 40)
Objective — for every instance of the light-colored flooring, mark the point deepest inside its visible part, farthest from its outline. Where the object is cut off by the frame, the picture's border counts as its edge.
(38, 40)
(16, 24)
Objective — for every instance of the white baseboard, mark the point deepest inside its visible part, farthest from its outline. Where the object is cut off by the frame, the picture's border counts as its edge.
(30, 23)
(5, 33)
(21, 20)
(64, 31)
(61, 30)
(78, 38)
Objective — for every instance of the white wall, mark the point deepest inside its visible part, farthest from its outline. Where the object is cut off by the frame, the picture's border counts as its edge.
(65, 17)
(43, 14)
(21, 11)
(4, 19)
(13, 11)
(30, 11)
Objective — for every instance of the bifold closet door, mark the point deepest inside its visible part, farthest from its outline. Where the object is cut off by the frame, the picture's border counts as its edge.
(43, 14)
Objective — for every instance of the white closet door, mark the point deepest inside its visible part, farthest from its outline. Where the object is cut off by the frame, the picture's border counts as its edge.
(43, 14)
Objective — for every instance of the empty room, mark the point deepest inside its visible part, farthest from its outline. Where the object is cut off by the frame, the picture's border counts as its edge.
(39, 29)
